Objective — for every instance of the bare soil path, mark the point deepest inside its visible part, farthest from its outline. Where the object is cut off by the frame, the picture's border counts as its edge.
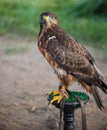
(25, 78)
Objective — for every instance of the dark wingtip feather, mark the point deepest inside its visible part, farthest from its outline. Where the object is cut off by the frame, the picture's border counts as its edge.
(103, 87)
(97, 97)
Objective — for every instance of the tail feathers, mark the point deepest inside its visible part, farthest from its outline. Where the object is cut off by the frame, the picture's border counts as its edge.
(97, 97)
(103, 86)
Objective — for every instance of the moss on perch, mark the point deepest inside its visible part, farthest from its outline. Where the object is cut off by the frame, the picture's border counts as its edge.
(80, 95)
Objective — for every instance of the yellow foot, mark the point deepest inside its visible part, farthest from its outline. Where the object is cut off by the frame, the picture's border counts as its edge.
(57, 95)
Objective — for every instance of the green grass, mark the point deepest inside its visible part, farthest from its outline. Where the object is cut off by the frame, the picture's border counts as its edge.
(21, 17)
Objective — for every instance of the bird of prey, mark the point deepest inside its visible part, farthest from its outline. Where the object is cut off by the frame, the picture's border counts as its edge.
(71, 61)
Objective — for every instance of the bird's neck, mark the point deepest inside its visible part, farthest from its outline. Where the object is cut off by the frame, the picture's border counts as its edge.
(46, 32)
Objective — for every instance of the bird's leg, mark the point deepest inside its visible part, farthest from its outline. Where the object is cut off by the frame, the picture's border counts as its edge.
(63, 90)
(59, 94)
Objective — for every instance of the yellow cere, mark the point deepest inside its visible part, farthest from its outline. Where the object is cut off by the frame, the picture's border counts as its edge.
(47, 18)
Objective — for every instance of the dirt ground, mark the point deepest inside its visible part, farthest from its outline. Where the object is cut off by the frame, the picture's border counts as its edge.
(25, 78)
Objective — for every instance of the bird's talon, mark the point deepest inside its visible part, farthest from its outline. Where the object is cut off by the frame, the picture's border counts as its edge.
(55, 96)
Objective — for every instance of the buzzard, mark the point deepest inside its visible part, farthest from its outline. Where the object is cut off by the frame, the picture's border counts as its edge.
(70, 60)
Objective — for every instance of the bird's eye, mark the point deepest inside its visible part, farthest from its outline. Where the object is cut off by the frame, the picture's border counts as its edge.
(51, 17)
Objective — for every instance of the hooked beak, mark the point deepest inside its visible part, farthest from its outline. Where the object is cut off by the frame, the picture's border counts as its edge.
(44, 19)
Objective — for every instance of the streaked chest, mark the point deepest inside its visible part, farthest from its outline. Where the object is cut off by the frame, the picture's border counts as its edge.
(57, 69)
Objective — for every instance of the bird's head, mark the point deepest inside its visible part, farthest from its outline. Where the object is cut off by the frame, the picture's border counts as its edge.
(48, 20)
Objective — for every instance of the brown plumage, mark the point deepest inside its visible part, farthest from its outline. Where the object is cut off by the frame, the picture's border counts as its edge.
(70, 60)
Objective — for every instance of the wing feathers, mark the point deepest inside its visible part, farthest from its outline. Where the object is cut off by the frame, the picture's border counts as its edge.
(103, 86)
(73, 62)
(97, 97)
(98, 71)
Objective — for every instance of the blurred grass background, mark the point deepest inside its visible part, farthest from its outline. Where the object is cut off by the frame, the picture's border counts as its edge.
(86, 20)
